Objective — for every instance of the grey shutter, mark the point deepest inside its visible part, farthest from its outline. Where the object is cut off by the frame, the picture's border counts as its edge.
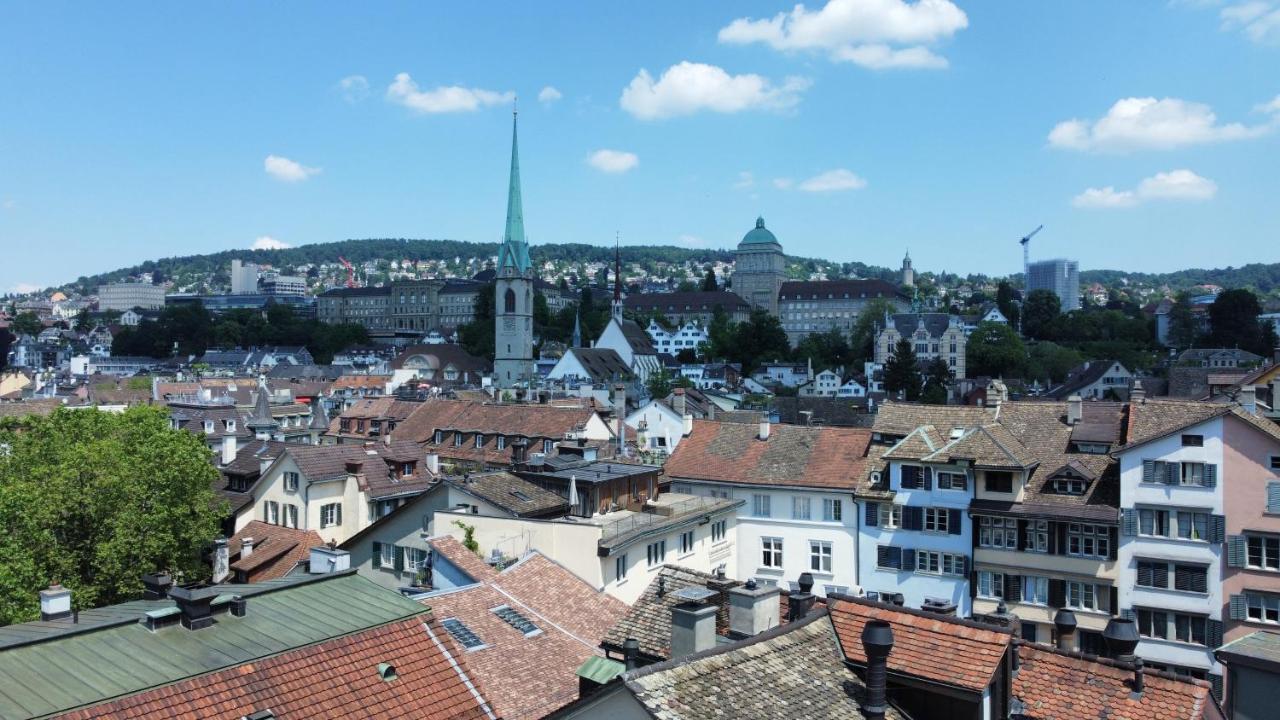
(1057, 593)
(1216, 682)
(1148, 471)
(1235, 551)
(910, 475)
(1063, 547)
(1022, 535)
(928, 478)
(908, 560)
(964, 565)
(954, 518)
(882, 556)
(1113, 542)
(1160, 574)
(339, 520)
(912, 518)
(1239, 611)
(1128, 522)
(1273, 497)
(1210, 476)
(1013, 588)
(377, 555)
(397, 553)
(1173, 473)
(872, 514)
(1144, 573)
(1213, 633)
(1129, 614)
(1217, 528)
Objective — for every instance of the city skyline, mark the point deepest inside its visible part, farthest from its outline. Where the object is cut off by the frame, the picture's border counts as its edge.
(896, 129)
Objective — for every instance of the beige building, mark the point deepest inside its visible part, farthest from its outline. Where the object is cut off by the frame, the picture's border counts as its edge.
(130, 295)
(932, 335)
(759, 269)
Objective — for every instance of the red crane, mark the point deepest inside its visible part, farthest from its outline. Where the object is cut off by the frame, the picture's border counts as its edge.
(351, 271)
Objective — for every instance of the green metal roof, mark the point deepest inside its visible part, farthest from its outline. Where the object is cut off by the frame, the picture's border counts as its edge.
(515, 250)
(759, 235)
(601, 669)
(50, 667)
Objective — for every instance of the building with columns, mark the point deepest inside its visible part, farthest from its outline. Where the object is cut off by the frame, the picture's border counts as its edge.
(513, 300)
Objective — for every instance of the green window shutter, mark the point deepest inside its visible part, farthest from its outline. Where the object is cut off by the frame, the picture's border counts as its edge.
(1217, 528)
(397, 552)
(1210, 475)
(1273, 497)
(1238, 609)
(1235, 551)
(377, 555)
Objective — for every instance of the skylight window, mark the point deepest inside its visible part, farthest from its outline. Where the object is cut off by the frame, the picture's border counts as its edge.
(462, 633)
(520, 496)
(516, 620)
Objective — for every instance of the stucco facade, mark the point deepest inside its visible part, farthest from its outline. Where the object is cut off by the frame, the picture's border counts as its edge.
(1251, 501)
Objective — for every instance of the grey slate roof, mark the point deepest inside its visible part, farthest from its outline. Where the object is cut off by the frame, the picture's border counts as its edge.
(637, 338)
(516, 495)
(649, 619)
(604, 364)
(934, 323)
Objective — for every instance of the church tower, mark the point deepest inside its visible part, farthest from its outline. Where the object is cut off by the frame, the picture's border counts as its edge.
(513, 298)
(908, 273)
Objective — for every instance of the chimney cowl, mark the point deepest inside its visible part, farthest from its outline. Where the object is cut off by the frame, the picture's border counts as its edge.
(55, 603)
(877, 639)
(195, 604)
(1121, 636)
(630, 653)
(877, 643)
(805, 582)
(156, 586)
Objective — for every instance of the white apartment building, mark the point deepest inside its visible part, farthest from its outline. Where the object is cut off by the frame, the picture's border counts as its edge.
(129, 295)
(689, 336)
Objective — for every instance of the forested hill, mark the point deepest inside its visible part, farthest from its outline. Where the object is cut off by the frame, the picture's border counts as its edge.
(1263, 278)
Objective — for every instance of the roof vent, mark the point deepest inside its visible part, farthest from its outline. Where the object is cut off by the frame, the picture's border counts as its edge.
(259, 715)
(155, 586)
(387, 672)
(195, 605)
(55, 603)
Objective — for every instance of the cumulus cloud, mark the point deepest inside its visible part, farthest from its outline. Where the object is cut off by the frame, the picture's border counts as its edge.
(548, 95)
(612, 161)
(877, 34)
(746, 180)
(444, 99)
(691, 241)
(1258, 20)
(286, 170)
(688, 88)
(1151, 124)
(832, 181)
(266, 242)
(1175, 185)
(354, 88)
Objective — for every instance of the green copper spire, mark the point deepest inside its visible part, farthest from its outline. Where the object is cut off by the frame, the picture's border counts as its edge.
(515, 251)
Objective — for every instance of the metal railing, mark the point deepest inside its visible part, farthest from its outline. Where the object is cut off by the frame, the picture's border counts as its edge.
(651, 517)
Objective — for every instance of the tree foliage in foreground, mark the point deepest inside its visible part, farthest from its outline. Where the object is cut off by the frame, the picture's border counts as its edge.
(93, 500)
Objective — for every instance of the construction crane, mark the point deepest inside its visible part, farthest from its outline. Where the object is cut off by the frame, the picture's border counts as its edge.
(1025, 242)
(351, 271)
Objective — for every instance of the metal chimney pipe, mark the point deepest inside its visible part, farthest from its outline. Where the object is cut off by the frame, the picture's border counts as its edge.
(877, 643)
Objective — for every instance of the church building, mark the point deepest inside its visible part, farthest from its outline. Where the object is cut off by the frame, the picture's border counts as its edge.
(513, 300)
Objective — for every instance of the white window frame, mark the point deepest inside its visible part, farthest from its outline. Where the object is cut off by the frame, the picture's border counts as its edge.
(890, 516)
(771, 552)
(1081, 536)
(387, 555)
(686, 542)
(1269, 561)
(760, 505)
(1258, 606)
(801, 508)
(820, 556)
(291, 481)
(290, 515)
(330, 515)
(937, 520)
(951, 480)
(1035, 590)
(1084, 596)
(997, 532)
(990, 585)
(656, 553)
(832, 510)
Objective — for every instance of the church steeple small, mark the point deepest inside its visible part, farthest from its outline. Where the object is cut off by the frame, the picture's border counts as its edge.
(514, 253)
(577, 330)
(617, 278)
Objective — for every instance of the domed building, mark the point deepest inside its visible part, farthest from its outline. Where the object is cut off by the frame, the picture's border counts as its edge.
(759, 268)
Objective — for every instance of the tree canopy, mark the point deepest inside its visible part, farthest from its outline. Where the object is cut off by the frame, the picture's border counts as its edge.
(901, 373)
(995, 350)
(1039, 311)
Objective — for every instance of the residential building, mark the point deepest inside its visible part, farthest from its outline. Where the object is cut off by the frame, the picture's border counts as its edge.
(1095, 380)
(818, 306)
(824, 384)
(513, 300)
(276, 284)
(244, 278)
(795, 486)
(261, 552)
(693, 307)
(129, 295)
(932, 335)
(369, 419)
(1252, 665)
(787, 374)
(760, 268)
(1061, 277)
(594, 486)
(443, 365)
(658, 427)
(689, 336)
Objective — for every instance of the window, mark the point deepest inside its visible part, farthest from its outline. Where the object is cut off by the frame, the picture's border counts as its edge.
(832, 509)
(516, 620)
(771, 557)
(1191, 578)
(1275, 462)
(911, 476)
(415, 559)
(1193, 441)
(998, 481)
(387, 555)
(760, 506)
(1263, 552)
(620, 567)
(1190, 628)
(457, 439)
(655, 553)
(717, 530)
(1153, 574)
(935, 520)
(990, 584)
(509, 301)
(1093, 541)
(1083, 596)
(799, 508)
(1153, 623)
(940, 563)
(291, 481)
(439, 437)
(686, 542)
(998, 533)
(1153, 522)
(890, 515)
(271, 512)
(548, 446)
(820, 556)
(208, 426)
(291, 516)
(1262, 608)
(1037, 536)
(953, 481)
(1035, 590)
(502, 442)
(479, 441)
(1193, 525)
(1068, 486)
(462, 634)
(330, 515)
(1192, 474)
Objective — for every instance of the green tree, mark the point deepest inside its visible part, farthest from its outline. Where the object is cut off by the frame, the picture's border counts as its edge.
(862, 345)
(720, 334)
(901, 373)
(1049, 362)
(476, 337)
(84, 323)
(1182, 323)
(937, 378)
(1039, 311)
(27, 323)
(709, 282)
(827, 349)
(93, 500)
(686, 286)
(758, 340)
(1233, 319)
(995, 350)
(1007, 303)
(659, 384)
(6, 340)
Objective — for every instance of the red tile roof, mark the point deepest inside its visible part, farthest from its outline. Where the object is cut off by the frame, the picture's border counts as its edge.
(462, 558)
(276, 550)
(1053, 685)
(794, 455)
(952, 652)
(543, 421)
(336, 678)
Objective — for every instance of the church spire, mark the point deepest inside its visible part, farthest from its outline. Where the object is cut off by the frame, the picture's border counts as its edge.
(577, 330)
(617, 277)
(515, 251)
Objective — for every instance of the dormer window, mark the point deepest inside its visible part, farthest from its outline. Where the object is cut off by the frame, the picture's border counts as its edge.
(230, 425)
(439, 437)
(1069, 486)
(208, 426)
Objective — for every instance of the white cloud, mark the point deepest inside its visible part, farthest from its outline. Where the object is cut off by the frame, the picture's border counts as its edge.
(1272, 107)
(691, 241)
(1175, 185)
(688, 88)
(266, 242)
(832, 181)
(354, 88)
(286, 170)
(867, 32)
(24, 288)
(444, 99)
(1259, 20)
(1147, 123)
(783, 183)
(612, 161)
(745, 180)
(548, 95)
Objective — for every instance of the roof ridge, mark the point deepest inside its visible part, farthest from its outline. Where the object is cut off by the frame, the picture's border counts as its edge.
(1108, 662)
(964, 622)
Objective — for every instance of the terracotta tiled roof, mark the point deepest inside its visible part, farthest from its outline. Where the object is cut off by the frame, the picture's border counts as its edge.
(987, 446)
(325, 462)
(793, 455)
(462, 558)
(429, 683)
(276, 550)
(1154, 419)
(649, 619)
(1053, 685)
(920, 443)
(529, 676)
(932, 647)
(491, 419)
(899, 418)
(356, 382)
(29, 407)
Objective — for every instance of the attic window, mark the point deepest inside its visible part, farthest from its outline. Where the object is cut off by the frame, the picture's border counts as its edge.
(516, 620)
(208, 426)
(462, 633)
(956, 433)
(1092, 448)
(521, 496)
(1193, 441)
(1069, 486)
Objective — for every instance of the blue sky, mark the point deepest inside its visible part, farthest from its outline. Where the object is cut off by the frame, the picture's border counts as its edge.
(1144, 135)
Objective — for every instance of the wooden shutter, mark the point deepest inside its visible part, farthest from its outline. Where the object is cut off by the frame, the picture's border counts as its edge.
(1012, 588)
(1210, 476)
(1114, 597)
(1273, 497)
(912, 518)
(928, 478)
(908, 560)
(397, 554)
(1215, 681)
(888, 556)
(1113, 534)
(954, 518)
(338, 516)
(1129, 522)
(1238, 609)
(1148, 471)
(1173, 473)
(910, 475)
(1022, 535)
(1160, 574)
(1057, 593)
(872, 514)
(1236, 551)
(1213, 633)
(1217, 528)
(1062, 538)
(1144, 573)
(377, 555)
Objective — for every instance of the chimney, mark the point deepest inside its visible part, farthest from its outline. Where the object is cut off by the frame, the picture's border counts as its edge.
(688, 425)
(1138, 394)
(355, 467)
(433, 463)
(877, 643)
(1065, 623)
(263, 464)
(519, 452)
(228, 449)
(800, 603)
(693, 628)
(1249, 399)
(764, 429)
(55, 604)
(678, 401)
(195, 605)
(753, 609)
(155, 586)
(221, 560)
(630, 653)
(1138, 685)
(246, 547)
(328, 559)
(1121, 636)
(1075, 409)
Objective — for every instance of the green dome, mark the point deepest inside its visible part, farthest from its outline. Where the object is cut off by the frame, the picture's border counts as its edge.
(758, 235)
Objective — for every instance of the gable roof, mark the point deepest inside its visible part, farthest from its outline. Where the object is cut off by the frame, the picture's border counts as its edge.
(1155, 419)
(793, 456)
(689, 301)
(820, 289)
(469, 416)
(900, 418)
(462, 558)
(602, 364)
(1082, 376)
(277, 550)
(637, 338)
(649, 619)
(941, 649)
(514, 494)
